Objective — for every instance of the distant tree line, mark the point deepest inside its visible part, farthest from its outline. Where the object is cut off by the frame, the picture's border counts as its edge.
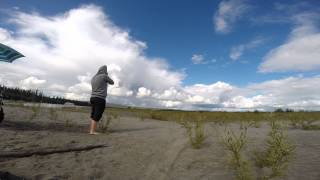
(18, 94)
(280, 110)
(283, 110)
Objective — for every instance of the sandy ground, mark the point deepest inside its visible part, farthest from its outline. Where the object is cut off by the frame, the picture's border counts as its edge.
(136, 149)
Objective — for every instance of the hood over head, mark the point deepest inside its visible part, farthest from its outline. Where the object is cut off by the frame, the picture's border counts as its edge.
(103, 70)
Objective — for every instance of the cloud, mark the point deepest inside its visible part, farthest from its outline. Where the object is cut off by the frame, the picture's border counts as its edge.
(143, 92)
(65, 51)
(301, 52)
(31, 82)
(237, 51)
(289, 92)
(198, 59)
(171, 104)
(212, 93)
(229, 11)
(282, 13)
(213, 60)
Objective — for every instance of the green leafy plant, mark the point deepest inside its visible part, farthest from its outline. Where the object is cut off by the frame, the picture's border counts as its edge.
(195, 131)
(277, 154)
(255, 124)
(235, 144)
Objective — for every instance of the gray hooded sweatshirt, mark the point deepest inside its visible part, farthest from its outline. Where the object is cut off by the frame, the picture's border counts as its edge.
(99, 83)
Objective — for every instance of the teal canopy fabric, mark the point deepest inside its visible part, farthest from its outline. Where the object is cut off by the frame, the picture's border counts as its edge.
(8, 54)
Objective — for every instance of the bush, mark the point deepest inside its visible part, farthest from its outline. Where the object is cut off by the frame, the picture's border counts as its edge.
(235, 144)
(195, 131)
(277, 154)
(304, 124)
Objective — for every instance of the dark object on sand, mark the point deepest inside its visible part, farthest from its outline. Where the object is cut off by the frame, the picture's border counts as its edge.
(7, 54)
(9, 176)
(43, 152)
(1, 117)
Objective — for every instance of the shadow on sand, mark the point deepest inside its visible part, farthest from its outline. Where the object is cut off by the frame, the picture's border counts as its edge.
(9, 176)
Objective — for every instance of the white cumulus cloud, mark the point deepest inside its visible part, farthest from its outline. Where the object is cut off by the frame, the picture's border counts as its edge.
(198, 59)
(66, 50)
(301, 52)
(31, 83)
(229, 11)
(143, 92)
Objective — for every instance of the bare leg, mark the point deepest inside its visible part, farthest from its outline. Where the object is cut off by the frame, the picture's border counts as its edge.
(93, 127)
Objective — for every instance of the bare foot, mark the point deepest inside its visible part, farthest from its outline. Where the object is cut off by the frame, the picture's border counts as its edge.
(94, 133)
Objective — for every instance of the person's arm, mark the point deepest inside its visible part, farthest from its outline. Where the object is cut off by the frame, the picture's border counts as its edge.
(109, 80)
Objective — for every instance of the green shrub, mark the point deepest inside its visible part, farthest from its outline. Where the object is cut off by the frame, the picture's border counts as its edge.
(300, 123)
(235, 144)
(158, 116)
(195, 131)
(277, 154)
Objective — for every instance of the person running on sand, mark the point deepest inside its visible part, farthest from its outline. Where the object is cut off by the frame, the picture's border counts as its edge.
(99, 84)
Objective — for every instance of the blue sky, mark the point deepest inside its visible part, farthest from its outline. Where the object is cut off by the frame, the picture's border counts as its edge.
(187, 34)
(175, 30)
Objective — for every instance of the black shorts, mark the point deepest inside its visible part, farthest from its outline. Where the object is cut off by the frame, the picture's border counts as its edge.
(98, 106)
